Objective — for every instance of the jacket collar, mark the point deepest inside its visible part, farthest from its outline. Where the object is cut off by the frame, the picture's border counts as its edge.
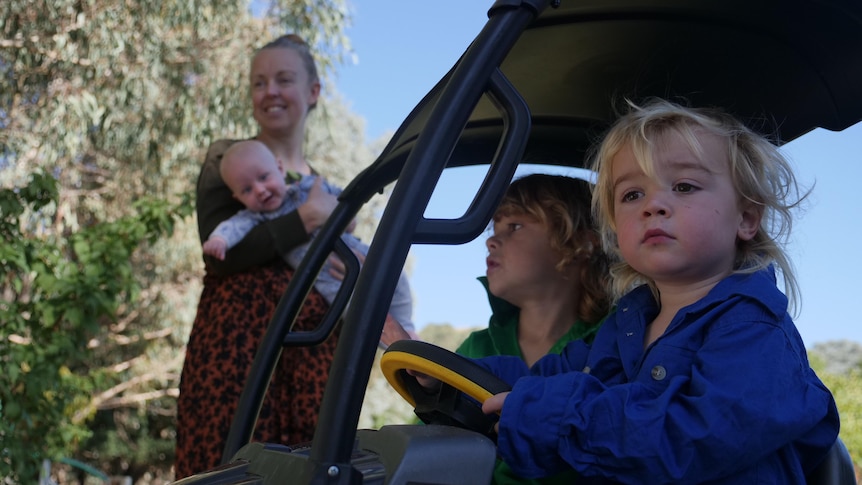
(501, 308)
(759, 286)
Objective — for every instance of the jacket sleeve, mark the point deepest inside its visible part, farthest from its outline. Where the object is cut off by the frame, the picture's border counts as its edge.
(686, 415)
(263, 244)
(234, 229)
(511, 368)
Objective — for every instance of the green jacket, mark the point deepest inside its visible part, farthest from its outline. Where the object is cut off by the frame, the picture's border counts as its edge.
(501, 335)
(501, 338)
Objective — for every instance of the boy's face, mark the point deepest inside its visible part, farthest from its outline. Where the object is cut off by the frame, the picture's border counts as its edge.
(257, 182)
(521, 263)
(681, 226)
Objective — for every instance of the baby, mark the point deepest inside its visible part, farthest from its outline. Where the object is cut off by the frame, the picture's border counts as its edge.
(257, 180)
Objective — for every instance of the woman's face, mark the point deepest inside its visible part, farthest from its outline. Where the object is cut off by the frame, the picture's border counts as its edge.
(281, 90)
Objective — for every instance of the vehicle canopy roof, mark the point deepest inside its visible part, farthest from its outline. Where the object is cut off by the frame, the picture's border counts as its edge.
(784, 66)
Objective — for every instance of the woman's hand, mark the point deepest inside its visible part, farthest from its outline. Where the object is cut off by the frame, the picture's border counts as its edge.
(392, 332)
(317, 207)
(338, 269)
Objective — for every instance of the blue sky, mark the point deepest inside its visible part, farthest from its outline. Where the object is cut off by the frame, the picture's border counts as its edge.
(403, 48)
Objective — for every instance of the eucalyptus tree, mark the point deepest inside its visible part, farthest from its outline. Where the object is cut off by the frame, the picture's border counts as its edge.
(115, 103)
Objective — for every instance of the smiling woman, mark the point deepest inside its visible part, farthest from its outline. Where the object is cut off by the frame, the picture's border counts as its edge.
(242, 291)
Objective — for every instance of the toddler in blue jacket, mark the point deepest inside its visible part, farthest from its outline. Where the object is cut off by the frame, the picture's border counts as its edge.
(699, 375)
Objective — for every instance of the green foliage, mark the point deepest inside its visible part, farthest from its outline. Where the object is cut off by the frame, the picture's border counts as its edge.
(839, 365)
(57, 294)
(118, 102)
(847, 389)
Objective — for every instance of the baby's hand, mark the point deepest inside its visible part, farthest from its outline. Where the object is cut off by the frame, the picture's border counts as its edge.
(215, 247)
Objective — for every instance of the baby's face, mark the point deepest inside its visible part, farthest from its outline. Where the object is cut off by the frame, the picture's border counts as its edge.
(257, 183)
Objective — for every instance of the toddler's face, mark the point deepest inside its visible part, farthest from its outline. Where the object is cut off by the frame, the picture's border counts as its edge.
(682, 224)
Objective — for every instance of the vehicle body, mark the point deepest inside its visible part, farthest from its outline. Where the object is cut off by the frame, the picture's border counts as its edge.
(537, 85)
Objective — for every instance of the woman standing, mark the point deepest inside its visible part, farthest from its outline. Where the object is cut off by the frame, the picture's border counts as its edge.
(240, 293)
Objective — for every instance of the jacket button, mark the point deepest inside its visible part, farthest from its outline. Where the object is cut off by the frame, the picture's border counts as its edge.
(658, 373)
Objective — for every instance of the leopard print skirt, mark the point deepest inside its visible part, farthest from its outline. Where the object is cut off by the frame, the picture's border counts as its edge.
(232, 317)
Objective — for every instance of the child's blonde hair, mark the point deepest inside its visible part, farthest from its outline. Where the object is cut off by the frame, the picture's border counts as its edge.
(760, 174)
(562, 204)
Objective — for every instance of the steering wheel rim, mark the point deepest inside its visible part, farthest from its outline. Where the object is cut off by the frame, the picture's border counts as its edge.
(458, 376)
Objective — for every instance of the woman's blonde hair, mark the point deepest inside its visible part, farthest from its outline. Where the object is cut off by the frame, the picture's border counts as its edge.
(562, 204)
(760, 174)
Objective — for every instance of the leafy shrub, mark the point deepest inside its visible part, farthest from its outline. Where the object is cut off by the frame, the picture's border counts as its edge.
(58, 290)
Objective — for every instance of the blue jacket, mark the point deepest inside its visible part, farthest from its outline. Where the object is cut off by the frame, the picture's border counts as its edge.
(726, 395)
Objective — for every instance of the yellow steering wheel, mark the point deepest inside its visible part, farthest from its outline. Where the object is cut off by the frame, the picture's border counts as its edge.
(457, 402)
